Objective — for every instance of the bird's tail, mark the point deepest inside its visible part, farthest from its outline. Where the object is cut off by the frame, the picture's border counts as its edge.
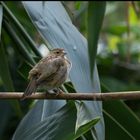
(31, 88)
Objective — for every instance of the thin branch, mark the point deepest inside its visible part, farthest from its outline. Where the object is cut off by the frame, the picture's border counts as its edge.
(131, 95)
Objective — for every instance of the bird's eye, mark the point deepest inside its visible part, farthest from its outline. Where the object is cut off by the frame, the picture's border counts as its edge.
(57, 52)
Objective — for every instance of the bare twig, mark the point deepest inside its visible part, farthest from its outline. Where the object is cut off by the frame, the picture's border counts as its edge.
(131, 95)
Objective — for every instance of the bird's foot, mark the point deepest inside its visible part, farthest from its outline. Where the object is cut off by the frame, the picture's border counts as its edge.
(55, 91)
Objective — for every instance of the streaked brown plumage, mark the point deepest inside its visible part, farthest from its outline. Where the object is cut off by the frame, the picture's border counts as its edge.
(50, 72)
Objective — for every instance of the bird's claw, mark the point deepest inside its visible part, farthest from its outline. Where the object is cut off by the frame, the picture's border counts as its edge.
(55, 91)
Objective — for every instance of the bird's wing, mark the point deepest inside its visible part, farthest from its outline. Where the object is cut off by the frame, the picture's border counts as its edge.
(37, 69)
(48, 68)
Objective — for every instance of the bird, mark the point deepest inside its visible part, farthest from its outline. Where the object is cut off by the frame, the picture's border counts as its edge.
(49, 73)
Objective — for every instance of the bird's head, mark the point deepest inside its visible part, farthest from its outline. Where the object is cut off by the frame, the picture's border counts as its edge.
(58, 52)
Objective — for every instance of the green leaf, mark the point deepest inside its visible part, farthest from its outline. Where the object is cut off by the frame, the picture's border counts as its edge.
(41, 111)
(4, 70)
(96, 11)
(21, 48)
(114, 130)
(124, 116)
(89, 135)
(20, 28)
(7, 80)
(120, 121)
(52, 128)
(83, 118)
(87, 126)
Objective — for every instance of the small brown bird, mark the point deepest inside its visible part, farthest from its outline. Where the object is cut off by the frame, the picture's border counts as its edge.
(50, 72)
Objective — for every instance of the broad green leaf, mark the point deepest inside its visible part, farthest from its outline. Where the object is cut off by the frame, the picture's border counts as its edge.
(56, 27)
(41, 111)
(53, 126)
(82, 117)
(96, 11)
(119, 118)
(114, 130)
(124, 116)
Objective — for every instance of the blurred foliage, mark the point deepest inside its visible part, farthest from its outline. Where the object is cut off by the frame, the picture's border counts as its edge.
(118, 58)
(118, 54)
